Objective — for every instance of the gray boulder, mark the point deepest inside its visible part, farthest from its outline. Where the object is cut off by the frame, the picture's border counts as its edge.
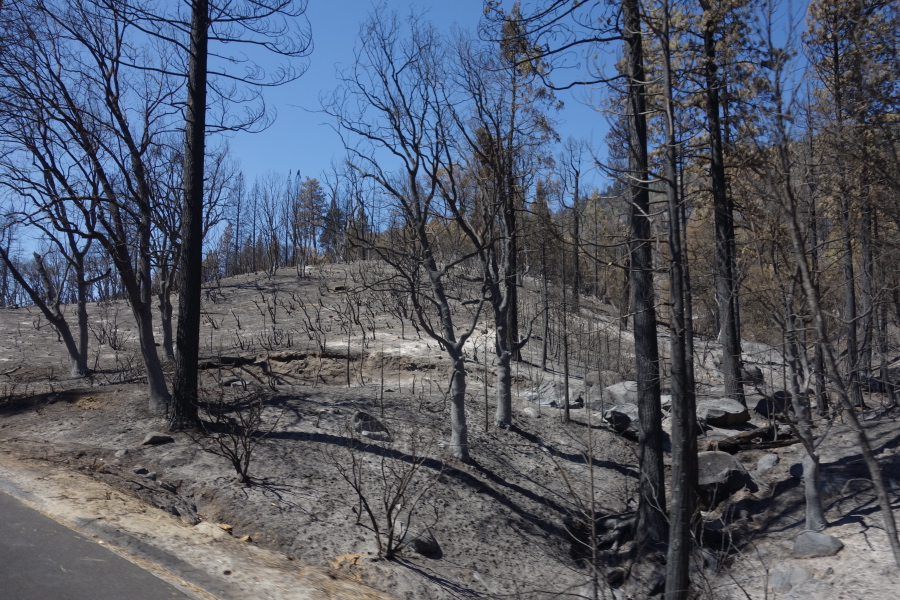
(720, 475)
(370, 427)
(767, 462)
(623, 418)
(601, 378)
(724, 412)
(624, 392)
(812, 544)
(550, 393)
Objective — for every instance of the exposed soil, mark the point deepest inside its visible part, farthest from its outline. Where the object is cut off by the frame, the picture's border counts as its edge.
(505, 526)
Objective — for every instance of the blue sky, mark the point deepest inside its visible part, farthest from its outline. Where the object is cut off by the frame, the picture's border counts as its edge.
(301, 139)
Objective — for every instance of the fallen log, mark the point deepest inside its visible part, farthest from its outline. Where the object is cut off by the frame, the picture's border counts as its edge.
(744, 441)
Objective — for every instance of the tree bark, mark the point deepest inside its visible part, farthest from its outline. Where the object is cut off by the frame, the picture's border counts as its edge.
(684, 436)
(184, 401)
(726, 289)
(651, 519)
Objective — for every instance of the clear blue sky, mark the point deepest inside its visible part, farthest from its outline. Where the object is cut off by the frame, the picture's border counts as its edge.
(301, 138)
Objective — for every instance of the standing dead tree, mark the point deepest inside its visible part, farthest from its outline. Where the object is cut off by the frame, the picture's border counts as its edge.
(97, 121)
(392, 111)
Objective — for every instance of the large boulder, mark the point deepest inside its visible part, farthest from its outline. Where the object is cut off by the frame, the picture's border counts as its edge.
(778, 403)
(720, 475)
(812, 544)
(624, 392)
(724, 412)
(623, 418)
(601, 378)
(370, 427)
(551, 393)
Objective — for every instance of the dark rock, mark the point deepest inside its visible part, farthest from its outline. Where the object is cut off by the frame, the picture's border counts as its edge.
(812, 544)
(623, 418)
(426, 545)
(724, 412)
(778, 403)
(752, 375)
(720, 475)
(370, 427)
(796, 470)
(155, 439)
(140, 470)
(151, 476)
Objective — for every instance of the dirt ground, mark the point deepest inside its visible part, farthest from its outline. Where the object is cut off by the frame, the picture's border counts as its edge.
(501, 527)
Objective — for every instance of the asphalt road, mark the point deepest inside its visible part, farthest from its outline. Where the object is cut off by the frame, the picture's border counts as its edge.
(43, 560)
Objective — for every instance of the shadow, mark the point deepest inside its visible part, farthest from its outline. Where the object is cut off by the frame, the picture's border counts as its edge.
(578, 458)
(461, 476)
(452, 588)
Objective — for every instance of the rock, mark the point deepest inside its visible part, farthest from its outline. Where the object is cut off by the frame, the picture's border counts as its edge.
(151, 476)
(168, 487)
(121, 453)
(156, 438)
(139, 470)
(623, 418)
(550, 393)
(767, 462)
(777, 404)
(724, 412)
(370, 427)
(530, 411)
(753, 375)
(787, 575)
(426, 545)
(601, 378)
(812, 544)
(624, 392)
(796, 470)
(720, 475)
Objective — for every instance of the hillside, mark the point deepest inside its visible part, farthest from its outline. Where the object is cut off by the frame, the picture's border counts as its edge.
(319, 350)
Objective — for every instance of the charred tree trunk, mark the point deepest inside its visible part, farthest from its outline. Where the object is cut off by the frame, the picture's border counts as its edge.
(684, 435)
(651, 523)
(726, 289)
(184, 402)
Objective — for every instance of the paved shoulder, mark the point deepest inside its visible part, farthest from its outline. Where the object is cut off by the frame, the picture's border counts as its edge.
(43, 560)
